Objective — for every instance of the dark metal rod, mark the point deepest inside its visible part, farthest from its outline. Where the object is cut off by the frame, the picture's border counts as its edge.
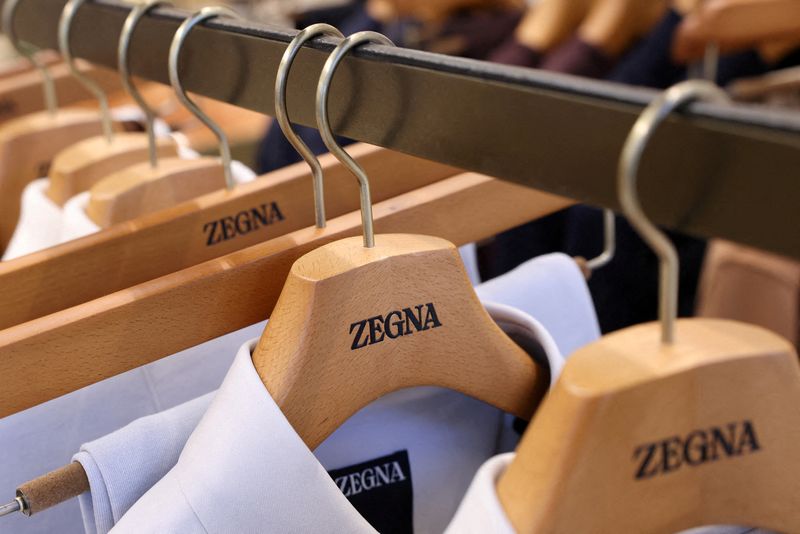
(715, 171)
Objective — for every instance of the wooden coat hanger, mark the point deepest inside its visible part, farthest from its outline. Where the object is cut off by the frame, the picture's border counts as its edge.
(735, 25)
(642, 434)
(202, 229)
(83, 164)
(149, 187)
(27, 146)
(29, 143)
(69, 349)
(614, 25)
(550, 22)
(207, 227)
(362, 299)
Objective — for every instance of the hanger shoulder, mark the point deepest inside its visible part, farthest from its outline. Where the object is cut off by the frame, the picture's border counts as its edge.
(550, 22)
(664, 438)
(366, 322)
(30, 143)
(202, 229)
(68, 350)
(613, 25)
(43, 123)
(78, 167)
(140, 189)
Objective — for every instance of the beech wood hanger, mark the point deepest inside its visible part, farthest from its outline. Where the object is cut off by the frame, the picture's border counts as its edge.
(69, 349)
(362, 299)
(218, 297)
(428, 207)
(204, 228)
(28, 143)
(78, 167)
(613, 25)
(735, 24)
(646, 435)
(549, 22)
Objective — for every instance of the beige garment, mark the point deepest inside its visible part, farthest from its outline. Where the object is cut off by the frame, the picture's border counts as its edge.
(752, 286)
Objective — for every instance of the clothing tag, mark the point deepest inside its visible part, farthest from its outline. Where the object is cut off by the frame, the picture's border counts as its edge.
(381, 491)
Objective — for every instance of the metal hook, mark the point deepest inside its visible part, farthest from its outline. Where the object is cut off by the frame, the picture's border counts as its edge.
(707, 67)
(323, 88)
(123, 60)
(174, 78)
(29, 51)
(282, 113)
(609, 242)
(64, 30)
(643, 130)
(17, 505)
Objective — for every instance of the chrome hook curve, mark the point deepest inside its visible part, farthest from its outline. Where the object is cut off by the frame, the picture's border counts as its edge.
(641, 133)
(174, 77)
(323, 121)
(64, 30)
(123, 61)
(282, 112)
(25, 49)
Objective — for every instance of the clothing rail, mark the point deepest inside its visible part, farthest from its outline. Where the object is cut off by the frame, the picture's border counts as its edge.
(716, 171)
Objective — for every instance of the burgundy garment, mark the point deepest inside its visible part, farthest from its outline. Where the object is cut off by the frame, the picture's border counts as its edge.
(578, 57)
(512, 52)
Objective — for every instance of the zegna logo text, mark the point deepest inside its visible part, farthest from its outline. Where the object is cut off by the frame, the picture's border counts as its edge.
(242, 223)
(370, 478)
(396, 323)
(696, 448)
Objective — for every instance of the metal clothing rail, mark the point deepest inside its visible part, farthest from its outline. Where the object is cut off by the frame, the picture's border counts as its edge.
(715, 171)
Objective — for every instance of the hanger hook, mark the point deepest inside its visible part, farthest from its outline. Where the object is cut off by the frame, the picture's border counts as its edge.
(609, 243)
(282, 112)
(643, 130)
(123, 60)
(27, 50)
(174, 77)
(323, 121)
(64, 30)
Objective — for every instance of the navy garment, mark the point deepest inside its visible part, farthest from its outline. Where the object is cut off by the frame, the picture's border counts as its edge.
(625, 291)
(649, 63)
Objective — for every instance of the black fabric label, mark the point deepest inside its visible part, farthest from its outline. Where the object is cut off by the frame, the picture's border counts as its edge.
(381, 491)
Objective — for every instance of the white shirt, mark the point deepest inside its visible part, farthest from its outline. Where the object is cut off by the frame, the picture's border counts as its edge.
(481, 511)
(28, 441)
(39, 224)
(552, 289)
(244, 469)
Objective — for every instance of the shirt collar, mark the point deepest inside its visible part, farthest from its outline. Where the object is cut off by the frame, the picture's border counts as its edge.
(245, 457)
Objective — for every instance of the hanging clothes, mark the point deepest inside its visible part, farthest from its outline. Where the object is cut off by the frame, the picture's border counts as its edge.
(124, 464)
